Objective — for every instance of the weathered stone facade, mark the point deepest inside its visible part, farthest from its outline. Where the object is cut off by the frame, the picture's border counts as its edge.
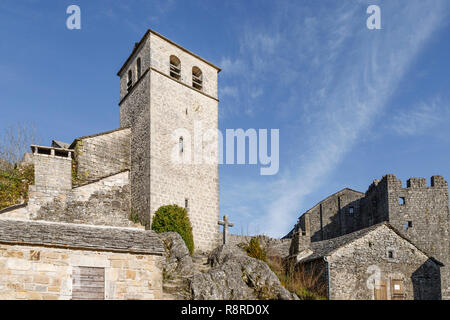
(155, 106)
(104, 202)
(43, 261)
(376, 263)
(88, 182)
(419, 212)
(103, 154)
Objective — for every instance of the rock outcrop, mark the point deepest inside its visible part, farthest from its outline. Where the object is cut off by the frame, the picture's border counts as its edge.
(178, 261)
(236, 276)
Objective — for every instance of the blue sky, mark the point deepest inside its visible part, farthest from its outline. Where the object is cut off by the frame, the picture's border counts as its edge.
(351, 104)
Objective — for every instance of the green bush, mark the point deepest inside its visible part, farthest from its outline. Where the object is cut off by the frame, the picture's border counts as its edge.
(173, 218)
(255, 250)
(14, 185)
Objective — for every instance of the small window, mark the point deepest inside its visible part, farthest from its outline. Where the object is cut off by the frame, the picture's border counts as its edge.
(180, 144)
(130, 79)
(197, 78)
(391, 254)
(351, 210)
(186, 203)
(138, 67)
(407, 225)
(401, 201)
(175, 67)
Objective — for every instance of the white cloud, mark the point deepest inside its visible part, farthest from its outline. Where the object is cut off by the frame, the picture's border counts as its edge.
(421, 118)
(347, 76)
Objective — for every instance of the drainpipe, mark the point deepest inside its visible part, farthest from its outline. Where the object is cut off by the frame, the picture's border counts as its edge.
(328, 277)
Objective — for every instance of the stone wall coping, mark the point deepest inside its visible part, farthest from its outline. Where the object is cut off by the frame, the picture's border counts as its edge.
(80, 237)
(14, 207)
(100, 179)
(97, 135)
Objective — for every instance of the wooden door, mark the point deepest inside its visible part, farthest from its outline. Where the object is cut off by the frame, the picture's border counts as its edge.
(397, 289)
(381, 290)
(88, 283)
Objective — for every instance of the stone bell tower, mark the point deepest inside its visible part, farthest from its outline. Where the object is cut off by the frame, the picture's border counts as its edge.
(168, 97)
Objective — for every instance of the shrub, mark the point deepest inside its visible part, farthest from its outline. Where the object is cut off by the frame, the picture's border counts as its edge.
(14, 185)
(255, 250)
(173, 218)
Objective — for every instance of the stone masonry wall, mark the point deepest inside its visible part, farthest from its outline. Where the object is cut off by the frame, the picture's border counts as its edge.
(155, 107)
(104, 154)
(105, 202)
(355, 267)
(173, 183)
(426, 208)
(52, 172)
(135, 112)
(41, 273)
(331, 217)
(38, 260)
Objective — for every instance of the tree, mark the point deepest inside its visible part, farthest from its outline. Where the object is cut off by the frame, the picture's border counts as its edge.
(173, 218)
(15, 141)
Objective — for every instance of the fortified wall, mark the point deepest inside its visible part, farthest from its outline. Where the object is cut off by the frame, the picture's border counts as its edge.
(418, 211)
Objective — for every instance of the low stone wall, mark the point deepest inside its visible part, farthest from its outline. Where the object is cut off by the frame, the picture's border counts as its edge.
(104, 202)
(50, 261)
(102, 154)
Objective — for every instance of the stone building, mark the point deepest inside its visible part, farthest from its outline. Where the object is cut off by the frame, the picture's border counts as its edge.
(168, 101)
(419, 212)
(45, 260)
(375, 263)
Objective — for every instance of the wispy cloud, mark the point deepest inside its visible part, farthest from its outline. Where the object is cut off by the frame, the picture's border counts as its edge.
(421, 118)
(337, 77)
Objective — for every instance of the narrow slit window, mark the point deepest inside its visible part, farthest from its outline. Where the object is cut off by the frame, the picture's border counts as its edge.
(186, 203)
(197, 78)
(407, 225)
(180, 144)
(138, 67)
(351, 210)
(130, 79)
(175, 67)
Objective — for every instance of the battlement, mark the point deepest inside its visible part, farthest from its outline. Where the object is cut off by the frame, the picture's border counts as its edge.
(438, 181)
(391, 181)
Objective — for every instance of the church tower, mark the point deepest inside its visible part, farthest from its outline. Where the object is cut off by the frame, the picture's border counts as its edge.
(168, 97)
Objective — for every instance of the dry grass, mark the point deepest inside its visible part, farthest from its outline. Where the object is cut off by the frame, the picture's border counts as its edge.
(305, 282)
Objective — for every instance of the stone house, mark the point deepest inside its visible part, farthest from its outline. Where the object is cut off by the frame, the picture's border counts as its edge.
(121, 177)
(45, 260)
(375, 263)
(417, 211)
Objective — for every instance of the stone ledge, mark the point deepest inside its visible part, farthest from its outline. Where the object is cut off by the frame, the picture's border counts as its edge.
(73, 236)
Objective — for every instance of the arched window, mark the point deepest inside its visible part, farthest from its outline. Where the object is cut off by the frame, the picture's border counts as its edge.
(130, 79)
(180, 144)
(138, 67)
(197, 78)
(175, 67)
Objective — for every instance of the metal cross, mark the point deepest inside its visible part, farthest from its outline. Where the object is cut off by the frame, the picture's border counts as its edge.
(225, 223)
